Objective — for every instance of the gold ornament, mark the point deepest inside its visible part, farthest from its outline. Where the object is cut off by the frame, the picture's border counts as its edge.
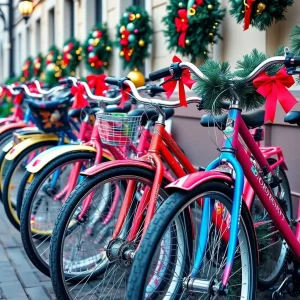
(187, 42)
(214, 27)
(211, 34)
(108, 48)
(123, 36)
(92, 65)
(73, 73)
(79, 58)
(59, 57)
(204, 52)
(22, 79)
(122, 28)
(105, 63)
(130, 52)
(210, 7)
(260, 7)
(132, 17)
(122, 53)
(141, 43)
(192, 11)
(136, 77)
(138, 16)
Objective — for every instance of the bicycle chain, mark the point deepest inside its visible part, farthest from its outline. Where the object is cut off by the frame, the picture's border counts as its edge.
(294, 289)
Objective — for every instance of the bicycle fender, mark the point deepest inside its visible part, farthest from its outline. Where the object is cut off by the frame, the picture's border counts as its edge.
(38, 138)
(141, 163)
(189, 182)
(12, 126)
(44, 158)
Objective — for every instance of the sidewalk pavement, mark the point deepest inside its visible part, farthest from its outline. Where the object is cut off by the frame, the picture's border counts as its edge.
(19, 279)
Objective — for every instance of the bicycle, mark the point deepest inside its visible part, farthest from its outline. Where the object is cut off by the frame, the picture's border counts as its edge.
(45, 166)
(224, 263)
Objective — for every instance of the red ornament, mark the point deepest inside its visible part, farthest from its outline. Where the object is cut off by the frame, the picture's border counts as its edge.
(124, 37)
(194, 6)
(199, 2)
(182, 25)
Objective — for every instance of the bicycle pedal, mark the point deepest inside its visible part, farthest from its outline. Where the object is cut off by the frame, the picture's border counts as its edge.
(278, 294)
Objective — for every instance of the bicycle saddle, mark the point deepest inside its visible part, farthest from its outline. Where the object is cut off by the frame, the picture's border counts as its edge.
(252, 120)
(150, 114)
(293, 117)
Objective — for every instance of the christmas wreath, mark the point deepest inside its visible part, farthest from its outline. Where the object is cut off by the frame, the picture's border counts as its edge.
(54, 66)
(97, 49)
(72, 55)
(38, 65)
(27, 70)
(259, 13)
(134, 36)
(191, 25)
(221, 85)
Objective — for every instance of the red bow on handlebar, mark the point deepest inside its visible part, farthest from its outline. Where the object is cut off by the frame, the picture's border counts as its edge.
(274, 88)
(78, 92)
(125, 92)
(98, 83)
(185, 79)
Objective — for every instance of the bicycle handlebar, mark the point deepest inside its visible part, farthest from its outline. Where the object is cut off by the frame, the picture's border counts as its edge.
(47, 92)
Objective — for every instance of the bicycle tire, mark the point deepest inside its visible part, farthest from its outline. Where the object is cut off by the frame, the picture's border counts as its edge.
(165, 215)
(25, 228)
(10, 209)
(58, 276)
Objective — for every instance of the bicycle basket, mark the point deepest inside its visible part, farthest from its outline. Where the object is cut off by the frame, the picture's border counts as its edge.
(118, 129)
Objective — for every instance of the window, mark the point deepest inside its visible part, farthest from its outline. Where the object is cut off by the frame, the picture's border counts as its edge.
(98, 11)
(69, 19)
(28, 41)
(51, 27)
(38, 36)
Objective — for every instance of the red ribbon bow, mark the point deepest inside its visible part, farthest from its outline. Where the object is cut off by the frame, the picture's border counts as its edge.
(125, 96)
(273, 88)
(182, 25)
(248, 11)
(78, 92)
(98, 83)
(18, 99)
(185, 79)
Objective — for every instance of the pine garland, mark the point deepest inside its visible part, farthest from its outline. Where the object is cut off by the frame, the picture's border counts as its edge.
(54, 66)
(72, 55)
(27, 70)
(262, 13)
(97, 49)
(134, 36)
(192, 25)
(220, 84)
(295, 44)
(38, 65)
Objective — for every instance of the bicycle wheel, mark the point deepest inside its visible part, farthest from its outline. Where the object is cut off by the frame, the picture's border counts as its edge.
(42, 203)
(272, 249)
(84, 259)
(13, 176)
(146, 270)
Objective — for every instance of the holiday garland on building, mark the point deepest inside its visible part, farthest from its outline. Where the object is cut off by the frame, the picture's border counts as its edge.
(295, 43)
(259, 13)
(220, 82)
(97, 49)
(55, 68)
(27, 70)
(38, 66)
(134, 36)
(72, 55)
(191, 25)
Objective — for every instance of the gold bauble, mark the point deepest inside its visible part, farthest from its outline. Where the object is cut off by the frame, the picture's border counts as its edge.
(141, 43)
(204, 52)
(138, 16)
(136, 77)
(92, 65)
(187, 41)
(122, 28)
(132, 17)
(59, 57)
(192, 11)
(260, 7)
(105, 63)
(108, 48)
(211, 34)
(122, 53)
(210, 7)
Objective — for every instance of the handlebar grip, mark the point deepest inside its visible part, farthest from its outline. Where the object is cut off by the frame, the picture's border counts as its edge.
(159, 74)
(112, 81)
(297, 60)
(155, 89)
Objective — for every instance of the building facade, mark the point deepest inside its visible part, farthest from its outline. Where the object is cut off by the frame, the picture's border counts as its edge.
(53, 21)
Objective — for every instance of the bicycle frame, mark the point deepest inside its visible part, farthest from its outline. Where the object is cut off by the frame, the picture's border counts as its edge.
(162, 147)
(234, 154)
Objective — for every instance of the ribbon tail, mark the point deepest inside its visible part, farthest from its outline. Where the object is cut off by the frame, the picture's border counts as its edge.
(286, 99)
(182, 97)
(270, 108)
(169, 87)
(247, 18)
(181, 39)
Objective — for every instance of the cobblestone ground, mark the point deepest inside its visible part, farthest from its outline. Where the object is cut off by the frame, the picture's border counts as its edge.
(19, 280)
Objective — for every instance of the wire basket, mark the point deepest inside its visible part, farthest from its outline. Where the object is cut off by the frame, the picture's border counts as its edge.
(118, 129)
